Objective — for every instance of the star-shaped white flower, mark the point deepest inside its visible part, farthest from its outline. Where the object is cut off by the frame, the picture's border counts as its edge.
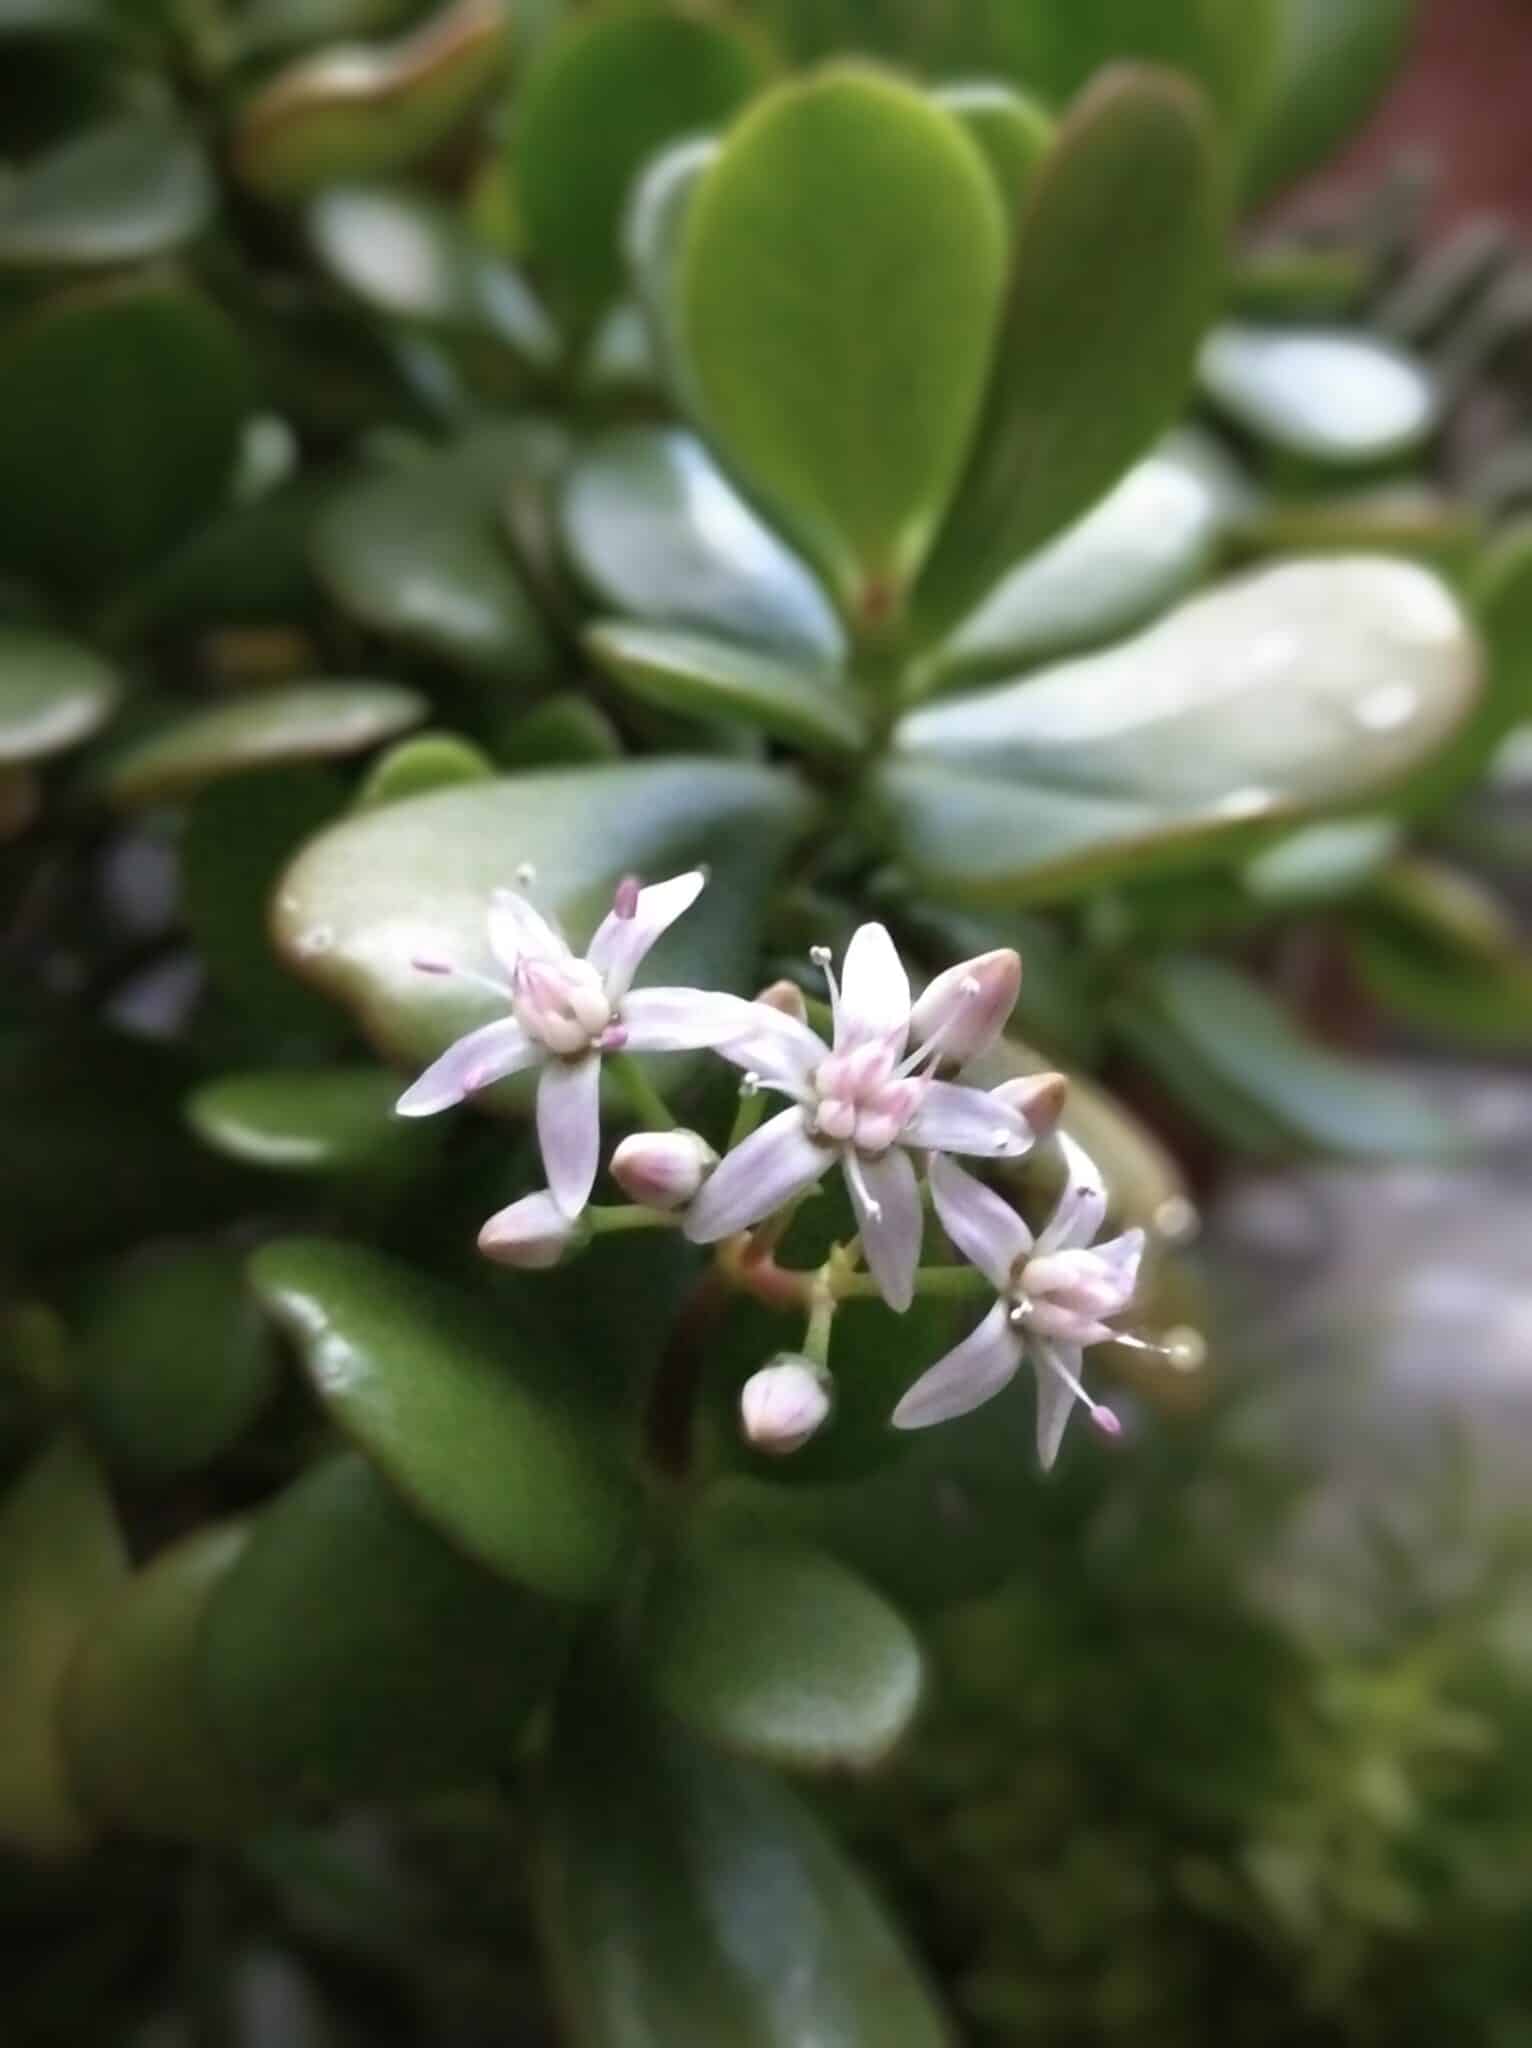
(565, 1012)
(865, 1100)
(1055, 1295)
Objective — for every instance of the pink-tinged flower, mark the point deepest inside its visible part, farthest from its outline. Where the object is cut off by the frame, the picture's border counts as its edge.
(1055, 1295)
(864, 1102)
(662, 1169)
(565, 1012)
(784, 1404)
(533, 1233)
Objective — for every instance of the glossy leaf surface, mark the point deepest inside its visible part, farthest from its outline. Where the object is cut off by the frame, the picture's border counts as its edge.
(1325, 394)
(53, 693)
(129, 190)
(704, 678)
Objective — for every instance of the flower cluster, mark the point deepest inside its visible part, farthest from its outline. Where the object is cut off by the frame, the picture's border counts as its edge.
(881, 1097)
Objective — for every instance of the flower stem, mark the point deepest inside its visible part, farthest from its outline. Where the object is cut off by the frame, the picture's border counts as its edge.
(604, 1218)
(648, 1105)
(823, 1302)
(955, 1281)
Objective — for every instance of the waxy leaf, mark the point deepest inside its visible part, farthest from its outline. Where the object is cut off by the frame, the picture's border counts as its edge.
(358, 111)
(653, 233)
(174, 1360)
(1013, 132)
(842, 269)
(418, 555)
(1438, 949)
(142, 1749)
(53, 693)
(1292, 689)
(295, 722)
(1334, 58)
(352, 1653)
(430, 760)
(1121, 236)
(607, 92)
(473, 1430)
(369, 897)
(1145, 543)
(1324, 394)
(61, 1555)
(704, 678)
(120, 413)
(659, 534)
(689, 1898)
(314, 1120)
(129, 190)
(1239, 1063)
(779, 1652)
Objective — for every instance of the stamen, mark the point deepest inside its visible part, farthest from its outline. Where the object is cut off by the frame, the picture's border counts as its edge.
(625, 901)
(858, 1180)
(749, 1082)
(502, 989)
(423, 966)
(1002, 1138)
(1020, 1311)
(1104, 1418)
(525, 874)
(931, 1049)
(614, 1038)
(822, 958)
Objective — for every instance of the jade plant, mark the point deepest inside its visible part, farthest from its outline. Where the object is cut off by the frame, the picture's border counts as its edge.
(657, 669)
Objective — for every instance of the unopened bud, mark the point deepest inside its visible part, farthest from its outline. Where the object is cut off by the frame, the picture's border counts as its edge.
(533, 1233)
(1040, 1098)
(662, 1169)
(782, 1405)
(787, 997)
(963, 1011)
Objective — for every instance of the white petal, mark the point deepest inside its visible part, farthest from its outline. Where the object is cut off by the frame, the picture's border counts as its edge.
(970, 1374)
(985, 1229)
(963, 1011)
(1081, 1209)
(470, 1063)
(1122, 1256)
(951, 1118)
(569, 1128)
(1055, 1399)
(891, 1236)
(874, 991)
(774, 1163)
(682, 1019)
(620, 943)
(517, 931)
(780, 1050)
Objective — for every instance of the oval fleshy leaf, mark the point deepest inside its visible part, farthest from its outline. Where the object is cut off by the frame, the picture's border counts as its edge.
(1334, 58)
(1012, 131)
(653, 234)
(360, 110)
(660, 534)
(778, 1652)
(429, 760)
(308, 1120)
(842, 269)
(386, 887)
(351, 1652)
(129, 190)
(705, 678)
(481, 1439)
(659, 1923)
(1290, 690)
(1121, 235)
(1325, 394)
(61, 1556)
(53, 693)
(295, 722)
(606, 93)
(142, 1749)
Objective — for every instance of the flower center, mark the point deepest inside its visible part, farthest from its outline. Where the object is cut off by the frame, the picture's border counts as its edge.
(563, 1005)
(862, 1099)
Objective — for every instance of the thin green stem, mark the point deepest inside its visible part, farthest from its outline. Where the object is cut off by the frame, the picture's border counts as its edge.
(952, 1281)
(648, 1105)
(823, 1303)
(604, 1219)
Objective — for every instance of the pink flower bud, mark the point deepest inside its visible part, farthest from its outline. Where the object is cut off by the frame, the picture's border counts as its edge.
(533, 1233)
(787, 997)
(782, 1405)
(963, 1011)
(1040, 1098)
(662, 1169)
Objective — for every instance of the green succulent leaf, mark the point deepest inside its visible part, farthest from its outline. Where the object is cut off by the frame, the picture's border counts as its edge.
(565, 730)
(1438, 949)
(658, 534)
(1294, 689)
(1010, 128)
(1334, 58)
(459, 1412)
(61, 1556)
(705, 678)
(120, 413)
(1238, 1062)
(778, 1652)
(53, 693)
(383, 888)
(607, 92)
(653, 235)
(842, 270)
(309, 1120)
(1323, 394)
(174, 1361)
(295, 722)
(418, 554)
(428, 760)
(351, 1653)
(1121, 235)
(660, 1925)
(131, 189)
(358, 111)
(142, 1749)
